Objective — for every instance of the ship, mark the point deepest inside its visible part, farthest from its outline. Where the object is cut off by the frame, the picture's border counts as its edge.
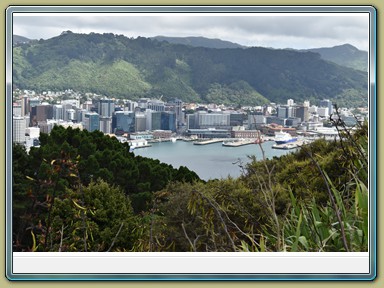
(284, 137)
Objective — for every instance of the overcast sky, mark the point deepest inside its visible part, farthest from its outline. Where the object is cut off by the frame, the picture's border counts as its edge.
(278, 31)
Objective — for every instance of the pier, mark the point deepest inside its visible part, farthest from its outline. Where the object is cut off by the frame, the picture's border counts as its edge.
(208, 141)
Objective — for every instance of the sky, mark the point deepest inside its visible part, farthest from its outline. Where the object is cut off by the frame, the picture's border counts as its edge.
(302, 31)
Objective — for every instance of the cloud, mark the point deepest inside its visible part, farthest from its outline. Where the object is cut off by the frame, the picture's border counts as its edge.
(271, 31)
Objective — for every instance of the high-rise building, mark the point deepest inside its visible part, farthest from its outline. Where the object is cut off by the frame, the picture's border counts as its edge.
(91, 121)
(106, 125)
(123, 122)
(106, 107)
(156, 105)
(168, 120)
(140, 122)
(302, 113)
(18, 129)
(327, 104)
(290, 102)
(58, 112)
(177, 105)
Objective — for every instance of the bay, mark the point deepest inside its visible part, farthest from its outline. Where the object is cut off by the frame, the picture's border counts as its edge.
(212, 161)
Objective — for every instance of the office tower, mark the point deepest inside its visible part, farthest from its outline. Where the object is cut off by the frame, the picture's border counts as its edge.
(327, 104)
(106, 125)
(168, 120)
(123, 122)
(91, 121)
(106, 107)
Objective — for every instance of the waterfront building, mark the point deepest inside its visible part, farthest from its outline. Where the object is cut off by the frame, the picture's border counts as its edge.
(168, 120)
(155, 120)
(140, 122)
(137, 143)
(123, 122)
(141, 135)
(272, 128)
(256, 119)
(18, 129)
(209, 133)
(245, 134)
(236, 119)
(162, 134)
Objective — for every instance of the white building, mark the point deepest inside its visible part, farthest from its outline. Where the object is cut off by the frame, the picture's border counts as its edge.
(19, 129)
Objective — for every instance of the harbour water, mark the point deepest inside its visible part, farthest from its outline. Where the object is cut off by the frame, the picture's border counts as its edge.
(212, 161)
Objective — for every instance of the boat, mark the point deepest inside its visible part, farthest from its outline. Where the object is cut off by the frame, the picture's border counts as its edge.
(284, 137)
(173, 139)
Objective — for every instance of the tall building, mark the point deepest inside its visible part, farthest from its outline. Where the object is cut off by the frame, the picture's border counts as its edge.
(91, 121)
(58, 112)
(168, 120)
(156, 105)
(106, 125)
(123, 122)
(177, 105)
(106, 107)
(140, 122)
(212, 120)
(18, 129)
(290, 102)
(302, 113)
(327, 104)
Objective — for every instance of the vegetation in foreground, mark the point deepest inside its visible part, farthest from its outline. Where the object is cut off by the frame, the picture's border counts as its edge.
(84, 191)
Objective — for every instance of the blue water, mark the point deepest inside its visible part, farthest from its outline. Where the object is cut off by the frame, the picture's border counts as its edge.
(208, 161)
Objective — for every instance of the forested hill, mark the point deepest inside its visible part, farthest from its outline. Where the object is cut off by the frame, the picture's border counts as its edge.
(117, 66)
(346, 55)
(199, 42)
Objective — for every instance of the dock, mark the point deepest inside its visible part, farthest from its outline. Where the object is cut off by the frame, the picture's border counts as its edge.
(238, 143)
(206, 142)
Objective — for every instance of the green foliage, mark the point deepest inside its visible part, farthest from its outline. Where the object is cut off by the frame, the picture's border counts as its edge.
(84, 191)
(121, 67)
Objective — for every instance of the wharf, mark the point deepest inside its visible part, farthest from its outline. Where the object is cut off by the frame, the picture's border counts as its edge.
(238, 143)
(206, 142)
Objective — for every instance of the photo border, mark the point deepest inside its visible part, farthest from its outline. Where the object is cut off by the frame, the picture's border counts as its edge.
(189, 9)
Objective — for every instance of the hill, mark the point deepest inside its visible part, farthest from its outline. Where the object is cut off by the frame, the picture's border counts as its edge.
(117, 66)
(199, 42)
(20, 39)
(345, 55)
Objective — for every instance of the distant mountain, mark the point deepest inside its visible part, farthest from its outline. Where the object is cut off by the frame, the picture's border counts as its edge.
(117, 66)
(345, 55)
(199, 42)
(20, 39)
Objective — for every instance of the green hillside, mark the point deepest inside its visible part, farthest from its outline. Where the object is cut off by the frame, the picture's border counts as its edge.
(346, 55)
(121, 67)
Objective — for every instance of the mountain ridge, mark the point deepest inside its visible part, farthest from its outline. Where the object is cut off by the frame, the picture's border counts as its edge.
(117, 66)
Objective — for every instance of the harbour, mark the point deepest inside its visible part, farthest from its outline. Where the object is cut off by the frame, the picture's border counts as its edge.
(210, 161)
